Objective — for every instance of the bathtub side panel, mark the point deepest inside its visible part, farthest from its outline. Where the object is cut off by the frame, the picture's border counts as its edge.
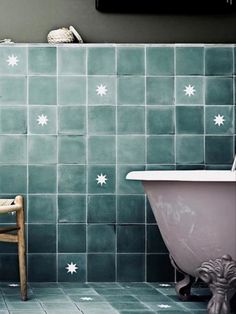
(197, 219)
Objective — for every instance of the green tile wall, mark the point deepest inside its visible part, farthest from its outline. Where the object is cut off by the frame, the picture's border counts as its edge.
(74, 119)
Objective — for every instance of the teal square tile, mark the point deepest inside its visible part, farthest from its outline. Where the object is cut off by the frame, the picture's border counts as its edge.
(101, 179)
(71, 179)
(64, 275)
(131, 120)
(9, 268)
(219, 120)
(42, 209)
(189, 61)
(125, 234)
(190, 149)
(131, 149)
(155, 243)
(130, 61)
(42, 179)
(42, 266)
(131, 90)
(130, 208)
(101, 119)
(42, 60)
(219, 91)
(101, 61)
(189, 90)
(71, 208)
(71, 90)
(189, 120)
(41, 238)
(42, 149)
(128, 186)
(131, 268)
(13, 149)
(16, 84)
(9, 116)
(160, 150)
(219, 61)
(13, 60)
(42, 120)
(71, 149)
(219, 149)
(101, 150)
(42, 90)
(101, 238)
(71, 238)
(160, 90)
(101, 90)
(71, 60)
(101, 268)
(160, 61)
(72, 120)
(13, 179)
(160, 120)
(101, 208)
(159, 268)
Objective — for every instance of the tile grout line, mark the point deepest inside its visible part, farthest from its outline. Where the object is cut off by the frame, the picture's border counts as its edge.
(146, 163)
(116, 167)
(175, 130)
(27, 161)
(204, 106)
(234, 105)
(175, 127)
(86, 163)
(57, 166)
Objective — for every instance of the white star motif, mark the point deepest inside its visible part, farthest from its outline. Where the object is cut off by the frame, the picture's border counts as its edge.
(189, 90)
(86, 299)
(12, 60)
(42, 120)
(101, 90)
(12, 213)
(13, 285)
(71, 268)
(164, 306)
(219, 120)
(101, 179)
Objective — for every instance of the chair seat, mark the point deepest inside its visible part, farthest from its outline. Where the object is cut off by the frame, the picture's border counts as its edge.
(6, 202)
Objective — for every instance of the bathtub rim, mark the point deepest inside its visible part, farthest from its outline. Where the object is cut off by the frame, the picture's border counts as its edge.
(183, 175)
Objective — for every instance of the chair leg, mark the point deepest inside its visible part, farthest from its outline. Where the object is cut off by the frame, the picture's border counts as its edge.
(21, 247)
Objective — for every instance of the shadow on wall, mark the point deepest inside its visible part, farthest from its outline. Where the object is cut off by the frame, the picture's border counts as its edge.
(26, 24)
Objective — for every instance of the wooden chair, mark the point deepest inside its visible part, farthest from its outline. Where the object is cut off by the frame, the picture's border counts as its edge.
(9, 206)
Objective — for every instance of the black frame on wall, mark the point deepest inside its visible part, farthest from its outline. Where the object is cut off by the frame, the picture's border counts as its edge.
(166, 6)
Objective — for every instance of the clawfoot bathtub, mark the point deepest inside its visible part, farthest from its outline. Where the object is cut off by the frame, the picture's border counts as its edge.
(196, 215)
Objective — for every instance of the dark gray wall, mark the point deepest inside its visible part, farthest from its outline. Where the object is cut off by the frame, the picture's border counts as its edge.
(30, 21)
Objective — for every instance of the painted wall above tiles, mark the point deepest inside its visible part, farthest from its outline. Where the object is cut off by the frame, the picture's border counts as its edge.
(75, 119)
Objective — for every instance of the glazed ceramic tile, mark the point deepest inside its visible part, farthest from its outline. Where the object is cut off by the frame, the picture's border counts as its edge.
(130, 61)
(131, 90)
(101, 61)
(189, 61)
(42, 90)
(72, 61)
(42, 60)
(160, 61)
(189, 90)
(219, 61)
(160, 90)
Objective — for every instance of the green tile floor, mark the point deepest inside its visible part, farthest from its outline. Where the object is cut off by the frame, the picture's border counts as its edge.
(102, 298)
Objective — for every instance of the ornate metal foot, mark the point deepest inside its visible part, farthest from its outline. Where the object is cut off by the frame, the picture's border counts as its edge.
(183, 287)
(220, 275)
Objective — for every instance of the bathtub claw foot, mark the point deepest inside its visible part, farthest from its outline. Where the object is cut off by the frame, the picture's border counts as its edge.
(183, 287)
(220, 275)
